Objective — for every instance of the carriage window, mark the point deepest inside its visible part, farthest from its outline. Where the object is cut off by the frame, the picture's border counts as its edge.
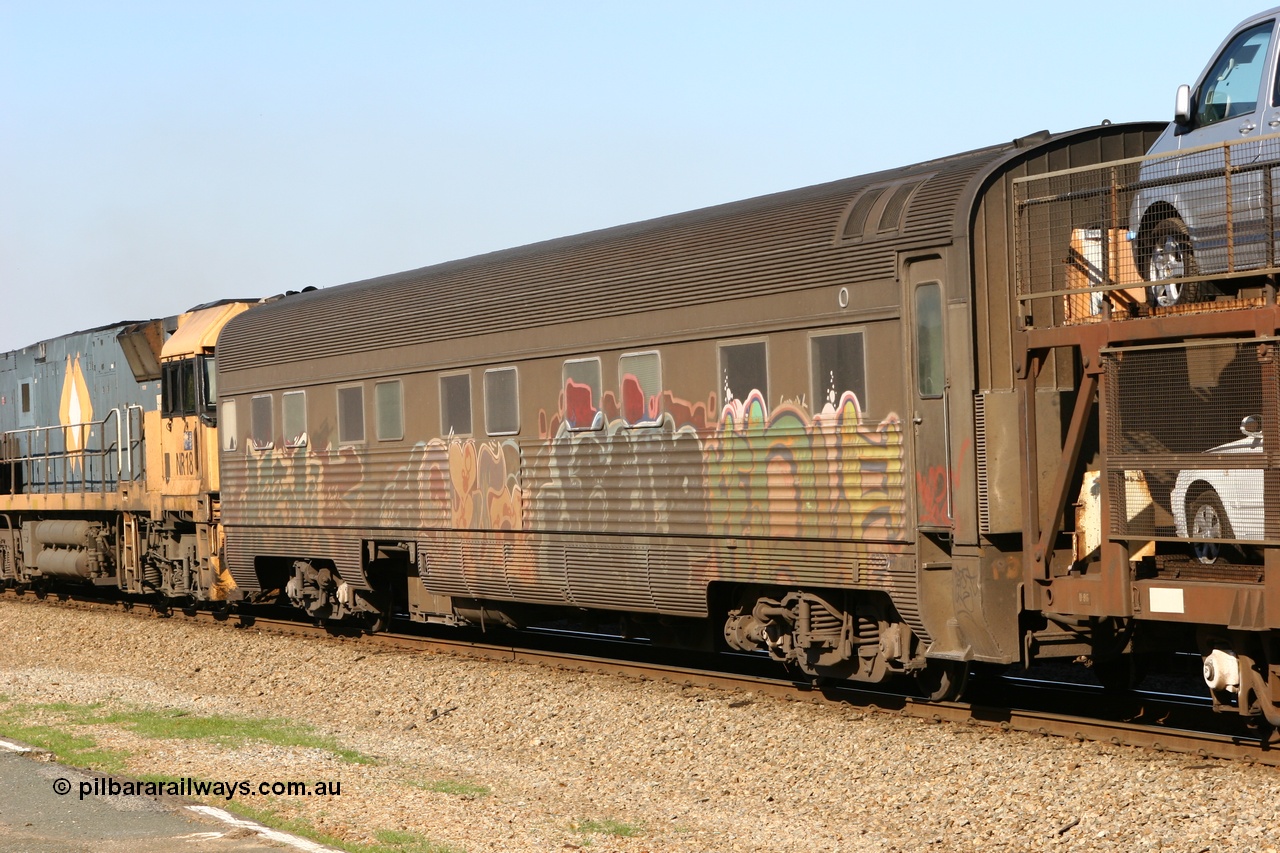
(838, 365)
(294, 404)
(501, 402)
(743, 369)
(351, 415)
(582, 394)
(26, 398)
(260, 425)
(640, 379)
(455, 404)
(930, 371)
(387, 399)
(227, 425)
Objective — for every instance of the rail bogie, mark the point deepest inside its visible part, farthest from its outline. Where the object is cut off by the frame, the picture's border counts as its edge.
(874, 429)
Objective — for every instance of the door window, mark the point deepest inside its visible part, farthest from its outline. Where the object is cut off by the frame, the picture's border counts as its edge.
(930, 371)
(1231, 87)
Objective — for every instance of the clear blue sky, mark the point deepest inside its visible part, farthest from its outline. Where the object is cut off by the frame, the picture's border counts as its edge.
(157, 155)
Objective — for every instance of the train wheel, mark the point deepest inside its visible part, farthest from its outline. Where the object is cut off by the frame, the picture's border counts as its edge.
(943, 680)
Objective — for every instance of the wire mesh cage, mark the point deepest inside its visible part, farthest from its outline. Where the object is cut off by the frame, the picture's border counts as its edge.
(1186, 456)
(1173, 233)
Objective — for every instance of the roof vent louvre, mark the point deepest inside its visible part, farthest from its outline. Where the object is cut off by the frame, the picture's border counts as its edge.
(891, 219)
(855, 224)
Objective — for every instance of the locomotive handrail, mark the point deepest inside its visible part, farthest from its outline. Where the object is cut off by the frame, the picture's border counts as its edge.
(49, 468)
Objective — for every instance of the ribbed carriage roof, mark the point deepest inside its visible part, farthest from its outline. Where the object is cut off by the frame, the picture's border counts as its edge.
(767, 245)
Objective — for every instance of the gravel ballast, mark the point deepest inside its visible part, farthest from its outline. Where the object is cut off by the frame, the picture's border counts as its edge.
(479, 755)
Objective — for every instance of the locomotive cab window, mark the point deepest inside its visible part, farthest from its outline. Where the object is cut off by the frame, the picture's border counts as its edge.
(838, 367)
(294, 418)
(387, 398)
(188, 387)
(178, 392)
(930, 369)
(351, 415)
(455, 404)
(743, 369)
(640, 381)
(582, 389)
(501, 402)
(209, 385)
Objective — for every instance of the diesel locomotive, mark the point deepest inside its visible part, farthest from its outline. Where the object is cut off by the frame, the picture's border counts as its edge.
(891, 426)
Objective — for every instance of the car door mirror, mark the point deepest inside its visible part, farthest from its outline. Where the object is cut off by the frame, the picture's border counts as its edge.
(1182, 106)
(1252, 426)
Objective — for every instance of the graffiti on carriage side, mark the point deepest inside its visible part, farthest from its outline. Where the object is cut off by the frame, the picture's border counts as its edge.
(753, 472)
(293, 486)
(480, 480)
(934, 488)
(786, 473)
(782, 474)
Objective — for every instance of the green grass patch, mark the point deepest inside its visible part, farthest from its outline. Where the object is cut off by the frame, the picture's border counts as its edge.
(607, 827)
(68, 748)
(228, 732)
(453, 787)
(388, 840)
(231, 732)
(398, 841)
(46, 727)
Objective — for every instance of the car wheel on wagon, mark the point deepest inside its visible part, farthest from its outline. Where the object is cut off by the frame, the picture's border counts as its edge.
(1207, 520)
(1171, 258)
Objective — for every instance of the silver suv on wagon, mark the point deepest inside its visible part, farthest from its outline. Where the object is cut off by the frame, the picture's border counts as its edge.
(1206, 203)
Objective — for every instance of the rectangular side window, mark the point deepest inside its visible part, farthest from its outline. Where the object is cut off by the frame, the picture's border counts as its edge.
(228, 427)
(26, 398)
(930, 370)
(501, 402)
(838, 365)
(582, 394)
(260, 426)
(294, 418)
(743, 369)
(640, 382)
(455, 404)
(351, 415)
(387, 398)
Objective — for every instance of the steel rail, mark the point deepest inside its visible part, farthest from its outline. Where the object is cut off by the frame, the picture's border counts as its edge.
(1126, 732)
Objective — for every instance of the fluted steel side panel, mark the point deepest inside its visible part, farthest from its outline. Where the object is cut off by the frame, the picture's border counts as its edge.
(899, 579)
(614, 577)
(611, 573)
(388, 489)
(243, 545)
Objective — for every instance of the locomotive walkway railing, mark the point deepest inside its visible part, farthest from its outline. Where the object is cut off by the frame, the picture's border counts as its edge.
(74, 458)
(1185, 232)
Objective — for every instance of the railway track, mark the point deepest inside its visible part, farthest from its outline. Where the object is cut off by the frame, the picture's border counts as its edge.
(1146, 720)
